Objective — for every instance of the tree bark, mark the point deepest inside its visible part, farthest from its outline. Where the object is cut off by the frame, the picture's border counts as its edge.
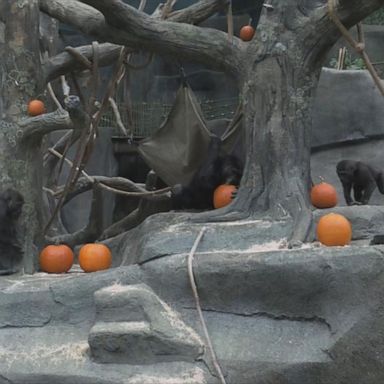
(21, 162)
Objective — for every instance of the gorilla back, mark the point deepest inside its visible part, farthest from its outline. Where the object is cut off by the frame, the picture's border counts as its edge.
(11, 203)
(360, 177)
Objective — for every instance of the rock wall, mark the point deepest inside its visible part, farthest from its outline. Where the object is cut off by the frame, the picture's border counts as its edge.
(348, 123)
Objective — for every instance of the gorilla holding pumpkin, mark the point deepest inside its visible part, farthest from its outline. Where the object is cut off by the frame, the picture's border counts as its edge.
(218, 168)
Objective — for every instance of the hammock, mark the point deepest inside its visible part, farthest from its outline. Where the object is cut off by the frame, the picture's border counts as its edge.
(178, 148)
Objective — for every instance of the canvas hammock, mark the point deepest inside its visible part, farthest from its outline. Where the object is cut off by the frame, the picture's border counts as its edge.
(178, 148)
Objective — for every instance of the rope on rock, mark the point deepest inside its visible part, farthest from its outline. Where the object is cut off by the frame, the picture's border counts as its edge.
(198, 306)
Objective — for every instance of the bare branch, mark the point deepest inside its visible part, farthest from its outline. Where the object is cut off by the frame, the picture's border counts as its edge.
(353, 11)
(95, 79)
(73, 12)
(208, 46)
(167, 8)
(53, 96)
(79, 57)
(44, 124)
(81, 121)
(126, 223)
(320, 27)
(92, 230)
(145, 208)
(138, 30)
(137, 216)
(116, 112)
(197, 13)
(69, 162)
(65, 87)
(117, 185)
(66, 62)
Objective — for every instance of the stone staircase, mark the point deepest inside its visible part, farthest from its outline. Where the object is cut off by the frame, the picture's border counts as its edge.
(134, 326)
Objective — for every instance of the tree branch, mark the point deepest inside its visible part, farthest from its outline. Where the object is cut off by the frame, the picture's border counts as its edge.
(117, 185)
(135, 29)
(350, 12)
(65, 62)
(197, 13)
(92, 230)
(209, 46)
(318, 26)
(145, 208)
(44, 124)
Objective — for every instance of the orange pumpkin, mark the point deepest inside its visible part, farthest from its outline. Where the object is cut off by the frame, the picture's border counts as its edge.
(223, 195)
(334, 229)
(56, 259)
(323, 195)
(94, 257)
(247, 32)
(36, 107)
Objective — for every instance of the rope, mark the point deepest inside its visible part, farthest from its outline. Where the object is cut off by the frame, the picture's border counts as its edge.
(230, 21)
(198, 306)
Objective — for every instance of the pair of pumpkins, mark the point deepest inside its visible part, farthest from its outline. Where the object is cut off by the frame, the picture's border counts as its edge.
(332, 229)
(59, 258)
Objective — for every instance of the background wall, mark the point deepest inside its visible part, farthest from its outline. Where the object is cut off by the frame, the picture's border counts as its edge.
(348, 123)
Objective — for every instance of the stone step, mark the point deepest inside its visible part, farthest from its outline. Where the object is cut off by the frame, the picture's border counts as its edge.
(134, 343)
(133, 325)
(42, 355)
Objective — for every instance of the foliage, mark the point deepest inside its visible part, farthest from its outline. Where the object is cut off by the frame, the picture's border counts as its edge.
(377, 18)
(350, 62)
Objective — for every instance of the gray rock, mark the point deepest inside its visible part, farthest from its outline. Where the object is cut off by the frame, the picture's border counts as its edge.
(174, 233)
(134, 326)
(366, 220)
(274, 316)
(347, 107)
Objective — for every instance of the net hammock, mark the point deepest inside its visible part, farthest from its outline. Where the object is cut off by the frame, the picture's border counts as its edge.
(176, 150)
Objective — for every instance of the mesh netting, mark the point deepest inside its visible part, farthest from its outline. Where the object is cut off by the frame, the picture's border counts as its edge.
(147, 117)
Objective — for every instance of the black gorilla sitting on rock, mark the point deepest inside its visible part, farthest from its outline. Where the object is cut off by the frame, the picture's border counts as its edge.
(218, 168)
(11, 203)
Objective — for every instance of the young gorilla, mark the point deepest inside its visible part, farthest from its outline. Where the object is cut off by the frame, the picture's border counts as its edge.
(11, 203)
(362, 177)
(218, 168)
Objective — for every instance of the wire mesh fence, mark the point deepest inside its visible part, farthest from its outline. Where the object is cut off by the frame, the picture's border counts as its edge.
(145, 118)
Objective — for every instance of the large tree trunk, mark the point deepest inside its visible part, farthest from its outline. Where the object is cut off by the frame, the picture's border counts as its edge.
(277, 94)
(20, 161)
(276, 178)
(278, 76)
(277, 85)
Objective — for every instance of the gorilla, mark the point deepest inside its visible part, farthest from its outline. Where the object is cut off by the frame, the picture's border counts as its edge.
(218, 168)
(363, 178)
(11, 203)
